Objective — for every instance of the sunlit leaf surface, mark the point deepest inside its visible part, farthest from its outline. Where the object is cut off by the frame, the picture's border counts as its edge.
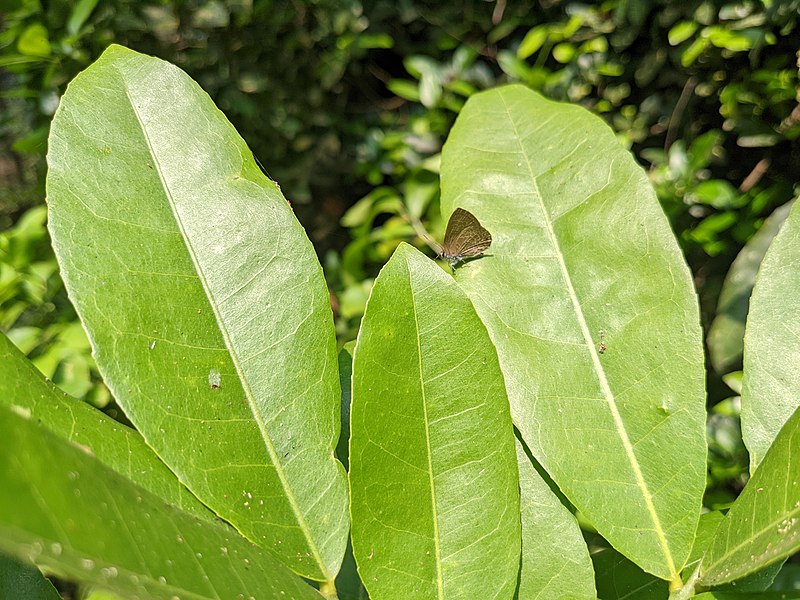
(433, 471)
(115, 445)
(62, 509)
(204, 302)
(590, 304)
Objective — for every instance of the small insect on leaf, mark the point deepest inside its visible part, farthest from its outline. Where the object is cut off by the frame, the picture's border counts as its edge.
(601, 347)
(464, 238)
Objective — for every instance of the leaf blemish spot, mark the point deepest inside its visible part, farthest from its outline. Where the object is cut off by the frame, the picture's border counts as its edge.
(214, 379)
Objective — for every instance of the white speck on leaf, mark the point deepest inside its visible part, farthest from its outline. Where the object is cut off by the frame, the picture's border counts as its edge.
(214, 379)
(21, 411)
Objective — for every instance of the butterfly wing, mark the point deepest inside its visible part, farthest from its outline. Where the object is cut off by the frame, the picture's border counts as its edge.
(465, 236)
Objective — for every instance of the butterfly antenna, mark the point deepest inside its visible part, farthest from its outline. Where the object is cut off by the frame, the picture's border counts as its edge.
(422, 233)
(265, 172)
(260, 166)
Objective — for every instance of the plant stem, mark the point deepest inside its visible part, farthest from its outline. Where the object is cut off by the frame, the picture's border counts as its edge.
(685, 590)
(328, 589)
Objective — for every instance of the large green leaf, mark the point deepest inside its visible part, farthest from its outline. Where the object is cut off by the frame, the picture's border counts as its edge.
(433, 473)
(113, 444)
(204, 302)
(772, 344)
(63, 509)
(763, 525)
(590, 304)
(555, 560)
(726, 334)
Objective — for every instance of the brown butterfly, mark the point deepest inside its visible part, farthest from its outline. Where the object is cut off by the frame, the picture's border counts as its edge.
(464, 238)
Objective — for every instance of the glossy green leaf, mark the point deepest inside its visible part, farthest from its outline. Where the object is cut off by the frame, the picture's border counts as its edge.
(693, 52)
(555, 560)
(763, 525)
(34, 41)
(726, 334)
(404, 88)
(80, 12)
(590, 304)
(433, 471)
(772, 344)
(734, 380)
(204, 302)
(680, 32)
(63, 509)
(533, 40)
(19, 581)
(116, 446)
(717, 193)
(17, 59)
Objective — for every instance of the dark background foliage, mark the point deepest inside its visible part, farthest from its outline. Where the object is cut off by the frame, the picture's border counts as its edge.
(347, 103)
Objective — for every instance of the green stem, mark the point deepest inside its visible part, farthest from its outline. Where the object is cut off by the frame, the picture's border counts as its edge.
(328, 589)
(684, 590)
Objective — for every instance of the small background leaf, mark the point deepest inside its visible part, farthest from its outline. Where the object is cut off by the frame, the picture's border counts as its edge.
(726, 335)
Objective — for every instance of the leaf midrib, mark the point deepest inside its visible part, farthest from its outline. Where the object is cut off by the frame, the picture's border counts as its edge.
(436, 542)
(262, 427)
(598, 367)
